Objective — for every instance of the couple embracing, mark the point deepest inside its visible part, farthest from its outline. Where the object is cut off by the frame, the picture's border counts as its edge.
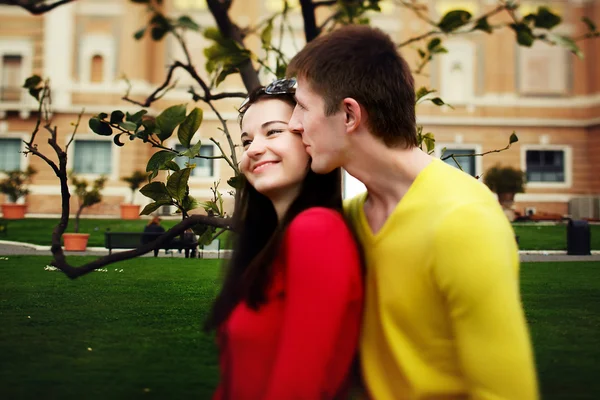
(408, 291)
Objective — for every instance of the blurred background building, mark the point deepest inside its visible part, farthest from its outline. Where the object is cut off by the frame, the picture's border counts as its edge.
(548, 96)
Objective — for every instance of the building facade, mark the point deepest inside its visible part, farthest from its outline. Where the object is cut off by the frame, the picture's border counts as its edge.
(548, 96)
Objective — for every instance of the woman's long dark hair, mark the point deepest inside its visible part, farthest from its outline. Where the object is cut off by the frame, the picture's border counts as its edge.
(259, 235)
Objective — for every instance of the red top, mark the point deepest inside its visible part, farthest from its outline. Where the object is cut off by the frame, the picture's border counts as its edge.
(300, 344)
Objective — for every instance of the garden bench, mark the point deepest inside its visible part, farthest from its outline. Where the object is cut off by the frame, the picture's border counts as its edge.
(132, 240)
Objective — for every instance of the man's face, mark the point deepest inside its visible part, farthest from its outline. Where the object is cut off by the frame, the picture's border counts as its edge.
(324, 136)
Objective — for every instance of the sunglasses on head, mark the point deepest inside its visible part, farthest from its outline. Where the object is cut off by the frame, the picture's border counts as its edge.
(280, 86)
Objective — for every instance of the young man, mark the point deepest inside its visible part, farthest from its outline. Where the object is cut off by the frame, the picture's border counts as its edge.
(443, 316)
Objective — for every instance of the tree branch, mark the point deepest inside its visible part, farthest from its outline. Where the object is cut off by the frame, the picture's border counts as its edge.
(311, 30)
(231, 31)
(35, 8)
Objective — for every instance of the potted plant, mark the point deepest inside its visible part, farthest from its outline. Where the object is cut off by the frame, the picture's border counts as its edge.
(135, 180)
(505, 182)
(87, 197)
(14, 186)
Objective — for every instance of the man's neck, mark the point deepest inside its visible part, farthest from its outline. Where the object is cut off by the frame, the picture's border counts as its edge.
(387, 173)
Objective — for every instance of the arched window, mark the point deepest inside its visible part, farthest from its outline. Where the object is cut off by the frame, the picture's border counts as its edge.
(97, 69)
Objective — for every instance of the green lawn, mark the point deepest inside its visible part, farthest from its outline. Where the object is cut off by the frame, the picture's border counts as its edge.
(143, 326)
(549, 237)
(39, 230)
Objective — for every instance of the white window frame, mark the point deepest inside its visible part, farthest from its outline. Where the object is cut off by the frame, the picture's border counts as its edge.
(461, 146)
(21, 47)
(115, 156)
(216, 162)
(568, 160)
(92, 45)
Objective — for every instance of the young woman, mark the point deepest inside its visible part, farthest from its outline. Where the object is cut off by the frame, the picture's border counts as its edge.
(288, 315)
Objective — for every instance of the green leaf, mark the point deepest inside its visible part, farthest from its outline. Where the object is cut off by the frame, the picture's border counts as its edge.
(439, 102)
(266, 36)
(433, 43)
(513, 138)
(422, 53)
(158, 32)
(235, 182)
(192, 151)
(153, 175)
(546, 19)
(128, 125)
(224, 74)
(137, 117)
(213, 34)
(567, 43)
(35, 92)
(102, 115)
(117, 140)
(483, 25)
(590, 24)
(170, 166)
(32, 82)
(524, 34)
(139, 33)
(150, 208)
(207, 237)
(156, 191)
(116, 117)
(453, 20)
(429, 140)
(189, 203)
(199, 229)
(100, 127)
(141, 1)
(168, 120)
(210, 207)
(422, 92)
(177, 183)
(159, 159)
(189, 126)
(186, 22)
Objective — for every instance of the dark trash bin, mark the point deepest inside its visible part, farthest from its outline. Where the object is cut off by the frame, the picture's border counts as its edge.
(579, 241)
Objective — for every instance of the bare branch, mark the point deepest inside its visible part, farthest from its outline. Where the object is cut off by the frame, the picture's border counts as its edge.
(75, 128)
(35, 8)
(75, 272)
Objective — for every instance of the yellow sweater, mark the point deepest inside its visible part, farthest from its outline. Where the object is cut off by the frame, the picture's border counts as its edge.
(443, 316)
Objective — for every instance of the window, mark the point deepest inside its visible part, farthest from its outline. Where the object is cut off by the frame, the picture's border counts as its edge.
(96, 58)
(545, 165)
(97, 70)
(10, 154)
(467, 163)
(92, 157)
(11, 77)
(205, 168)
(457, 70)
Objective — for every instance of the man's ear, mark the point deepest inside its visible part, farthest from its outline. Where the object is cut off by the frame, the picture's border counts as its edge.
(353, 114)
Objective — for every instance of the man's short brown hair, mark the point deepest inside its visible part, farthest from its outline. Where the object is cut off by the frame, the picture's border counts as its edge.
(361, 62)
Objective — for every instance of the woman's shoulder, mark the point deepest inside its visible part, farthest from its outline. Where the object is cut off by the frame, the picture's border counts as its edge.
(317, 219)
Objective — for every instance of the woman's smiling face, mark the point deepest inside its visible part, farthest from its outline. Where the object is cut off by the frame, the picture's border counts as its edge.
(274, 160)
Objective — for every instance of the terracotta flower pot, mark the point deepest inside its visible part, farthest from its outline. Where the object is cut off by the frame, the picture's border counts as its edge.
(75, 241)
(130, 211)
(14, 211)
